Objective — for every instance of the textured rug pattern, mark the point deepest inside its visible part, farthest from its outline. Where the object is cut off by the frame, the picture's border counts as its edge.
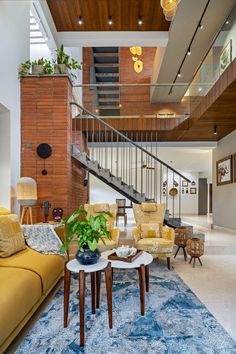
(175, 321)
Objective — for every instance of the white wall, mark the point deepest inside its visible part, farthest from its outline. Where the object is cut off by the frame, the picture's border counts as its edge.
(14, 29)
(5, 185)
(224, 196)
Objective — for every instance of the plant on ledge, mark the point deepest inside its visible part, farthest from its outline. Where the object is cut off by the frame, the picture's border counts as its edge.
(64, 62)
(88, 231)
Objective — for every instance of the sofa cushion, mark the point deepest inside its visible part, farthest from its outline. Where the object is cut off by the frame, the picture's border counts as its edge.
(149, 230)
(48, 267)
(4, 211)
(11, 237)
(20, 290)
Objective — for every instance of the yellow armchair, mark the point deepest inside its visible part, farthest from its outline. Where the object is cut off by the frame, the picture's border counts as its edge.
(159, 244)
(96, 209)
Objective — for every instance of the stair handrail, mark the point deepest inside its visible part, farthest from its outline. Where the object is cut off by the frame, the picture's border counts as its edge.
(129, 140)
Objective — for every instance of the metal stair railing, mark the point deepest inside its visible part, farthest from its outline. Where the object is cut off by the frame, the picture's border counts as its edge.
(139, 171)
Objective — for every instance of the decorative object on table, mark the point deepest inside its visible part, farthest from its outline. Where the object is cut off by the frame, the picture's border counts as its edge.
(173, 192)
(224, 171)
(46, 206)
(57, 214)
(129, 258)
(226, 56)
(193, 190)
(44, 151)
(182, 235)
(195, 248)
(26, 194)
(184, 184)
(88, 230)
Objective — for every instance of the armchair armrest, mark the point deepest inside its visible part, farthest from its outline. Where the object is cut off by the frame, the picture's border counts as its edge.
(168, 233)
(115, 235)
(136, 234)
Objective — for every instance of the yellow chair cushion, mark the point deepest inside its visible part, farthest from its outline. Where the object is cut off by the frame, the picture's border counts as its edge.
(99, 208)
(11, 236)
(109, 245)
(4, 211)
(155, 245)
(149, 230)
(148, 207)
(20, 290)
(47, 266)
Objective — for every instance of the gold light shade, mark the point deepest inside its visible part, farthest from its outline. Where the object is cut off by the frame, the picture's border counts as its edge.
(169, 8)
(26, 191)
(136, 50)
(138, 66)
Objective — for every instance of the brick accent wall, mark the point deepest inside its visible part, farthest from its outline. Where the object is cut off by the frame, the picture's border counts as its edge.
(46, 118)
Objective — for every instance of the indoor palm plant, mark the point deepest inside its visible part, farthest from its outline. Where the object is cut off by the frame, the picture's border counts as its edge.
(88, 231)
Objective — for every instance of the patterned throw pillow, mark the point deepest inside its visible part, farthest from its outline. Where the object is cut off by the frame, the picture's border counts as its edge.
(11, 236)
(150, 230)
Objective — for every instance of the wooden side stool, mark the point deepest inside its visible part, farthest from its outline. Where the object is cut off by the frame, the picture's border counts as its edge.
(195, 248)
(182, 235)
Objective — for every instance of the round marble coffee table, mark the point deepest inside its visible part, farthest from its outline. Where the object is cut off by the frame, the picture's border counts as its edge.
(142, 265)
(75, 267)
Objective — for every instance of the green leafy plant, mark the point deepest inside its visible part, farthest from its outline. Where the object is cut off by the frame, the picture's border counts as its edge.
(46, 64)
(24, 68)
(87, 230)
(65, 59)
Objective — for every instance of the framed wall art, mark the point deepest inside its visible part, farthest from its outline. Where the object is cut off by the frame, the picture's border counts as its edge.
(226, 56)
(184, 184)
(224, 171)
(193, 190)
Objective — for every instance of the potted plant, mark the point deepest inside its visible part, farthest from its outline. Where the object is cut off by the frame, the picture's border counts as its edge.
(24, 68)
(64, 63)
(42, 66)
(88, 231)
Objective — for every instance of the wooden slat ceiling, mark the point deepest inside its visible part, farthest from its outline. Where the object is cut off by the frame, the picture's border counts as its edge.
(95, 15)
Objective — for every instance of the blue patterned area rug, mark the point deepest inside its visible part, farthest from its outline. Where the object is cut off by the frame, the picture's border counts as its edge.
(175, 321)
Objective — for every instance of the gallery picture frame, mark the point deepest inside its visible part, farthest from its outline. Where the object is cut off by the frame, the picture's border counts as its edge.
(224, 171)
(193, 190)
(184, 184)
(225, 56)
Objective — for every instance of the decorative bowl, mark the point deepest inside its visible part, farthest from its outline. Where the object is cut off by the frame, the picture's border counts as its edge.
(122, 251)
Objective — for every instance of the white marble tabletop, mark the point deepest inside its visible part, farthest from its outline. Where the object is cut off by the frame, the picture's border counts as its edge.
(145, 258)
(75, 266)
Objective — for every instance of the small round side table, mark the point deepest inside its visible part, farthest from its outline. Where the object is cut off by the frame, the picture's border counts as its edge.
(94, 269)
(195, 248)
(182, 235)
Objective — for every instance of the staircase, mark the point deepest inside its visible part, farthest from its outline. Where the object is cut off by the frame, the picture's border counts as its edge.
(123, 164)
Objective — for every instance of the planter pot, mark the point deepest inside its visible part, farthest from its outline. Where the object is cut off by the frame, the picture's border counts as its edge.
(60, 69)
(88, 257)
(37, 69)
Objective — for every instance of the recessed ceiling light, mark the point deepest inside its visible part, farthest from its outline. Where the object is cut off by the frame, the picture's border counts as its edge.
(179, 74)
(227, 22)
(140, 21)
(80, 21)
(215, 130)
(96, 110)
(189, 51)
(200, 25)
(110, 22)
(200, 89)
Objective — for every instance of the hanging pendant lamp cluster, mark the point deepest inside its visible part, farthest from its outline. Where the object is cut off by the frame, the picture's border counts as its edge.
(169, 8)
(138, 63)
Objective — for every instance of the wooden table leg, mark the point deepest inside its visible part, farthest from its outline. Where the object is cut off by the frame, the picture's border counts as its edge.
(67, 276)
(98, 286)
(81, 305)
(141, 271)
(92, 277)
(108, 276)
(147, 278)
(168, 262)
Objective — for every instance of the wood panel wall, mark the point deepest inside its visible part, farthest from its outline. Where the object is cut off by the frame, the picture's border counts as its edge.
(46, 118)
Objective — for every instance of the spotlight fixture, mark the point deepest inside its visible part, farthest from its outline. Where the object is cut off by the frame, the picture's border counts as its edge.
(227, 22)
(200, 25)
(200, 89)
(215, 130)
(110, 22)
(80, 21)
(96, 110)
(189, 51)
(140, 21)
(179, 74)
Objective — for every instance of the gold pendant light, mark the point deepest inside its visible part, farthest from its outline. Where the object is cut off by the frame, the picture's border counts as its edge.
(138, 63)
(169, 8)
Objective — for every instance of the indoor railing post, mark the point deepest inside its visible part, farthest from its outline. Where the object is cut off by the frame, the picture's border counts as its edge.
(161, 183)
(117, 154)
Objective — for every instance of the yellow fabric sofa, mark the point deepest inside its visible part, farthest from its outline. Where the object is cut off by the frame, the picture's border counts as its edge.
(150, 235)
(26, 278)
(96, 209)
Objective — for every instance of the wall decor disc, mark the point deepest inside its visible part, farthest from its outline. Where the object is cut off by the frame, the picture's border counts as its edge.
(44, 150)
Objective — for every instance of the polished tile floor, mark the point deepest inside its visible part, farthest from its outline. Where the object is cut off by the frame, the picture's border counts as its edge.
(215, 282)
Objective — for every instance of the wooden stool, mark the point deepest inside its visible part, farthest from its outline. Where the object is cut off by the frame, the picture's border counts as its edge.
(195, 248)
(182, 235)
(26, 213)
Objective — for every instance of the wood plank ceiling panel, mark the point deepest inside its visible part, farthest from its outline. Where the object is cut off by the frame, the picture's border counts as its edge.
(95, 15)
